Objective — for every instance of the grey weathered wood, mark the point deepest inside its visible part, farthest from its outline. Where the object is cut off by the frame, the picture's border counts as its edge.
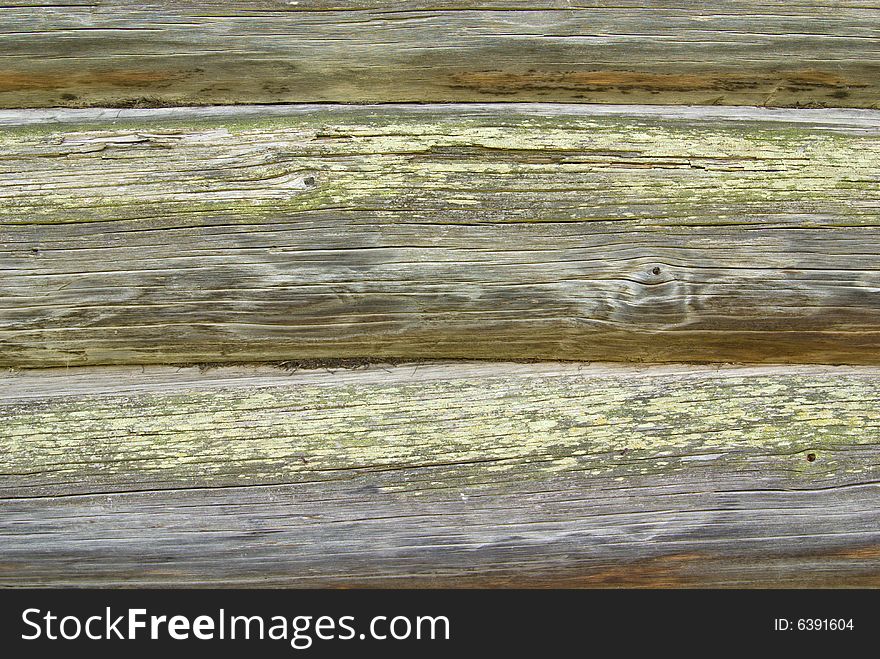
(457, 475)
(773, 52)
(477, 231)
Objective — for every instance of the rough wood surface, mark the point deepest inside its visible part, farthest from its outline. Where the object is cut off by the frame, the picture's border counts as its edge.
(773, 52)
(454, 474)
(498, 231)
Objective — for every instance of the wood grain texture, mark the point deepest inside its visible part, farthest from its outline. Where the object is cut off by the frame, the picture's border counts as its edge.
(493, 232)
(445, 475)
(740, 52)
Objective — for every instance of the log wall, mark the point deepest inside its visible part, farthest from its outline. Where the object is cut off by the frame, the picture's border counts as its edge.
(357, 293)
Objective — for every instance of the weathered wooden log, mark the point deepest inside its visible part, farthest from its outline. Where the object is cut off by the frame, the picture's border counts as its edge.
(454, 474)
(773, 52)
(494, 232)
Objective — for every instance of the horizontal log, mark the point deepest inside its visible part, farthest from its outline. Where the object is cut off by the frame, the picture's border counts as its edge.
(465, 474)
(499, 231)
(773, 52)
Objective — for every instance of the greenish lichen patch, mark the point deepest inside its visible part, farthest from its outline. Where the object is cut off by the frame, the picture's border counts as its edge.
(501, 427)
(361, 158)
